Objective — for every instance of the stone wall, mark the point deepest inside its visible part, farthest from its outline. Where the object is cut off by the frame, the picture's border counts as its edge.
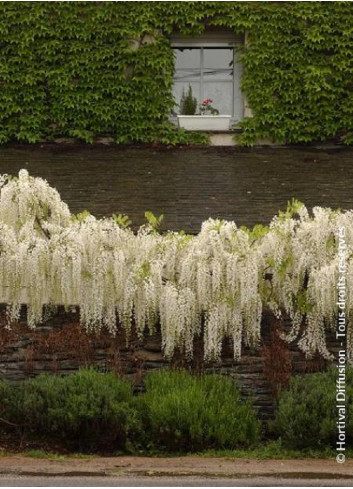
(60, 346)
(188, 186)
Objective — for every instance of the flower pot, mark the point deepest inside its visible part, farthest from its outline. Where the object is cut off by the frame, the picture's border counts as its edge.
(204, 122)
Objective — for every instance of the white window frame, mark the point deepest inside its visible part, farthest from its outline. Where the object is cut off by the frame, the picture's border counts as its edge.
(217, 40)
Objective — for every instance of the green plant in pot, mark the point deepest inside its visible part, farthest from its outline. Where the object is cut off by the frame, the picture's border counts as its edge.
(188, 103)
(204, 118)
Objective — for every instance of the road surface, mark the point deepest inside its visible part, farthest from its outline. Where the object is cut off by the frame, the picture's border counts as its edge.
(133, 481)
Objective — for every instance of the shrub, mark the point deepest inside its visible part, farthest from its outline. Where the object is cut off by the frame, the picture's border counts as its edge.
(307, 414)
(188, 103)
(87, 410)
(186, 413)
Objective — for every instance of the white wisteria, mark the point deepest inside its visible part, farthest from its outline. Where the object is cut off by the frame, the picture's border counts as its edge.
(215, 284)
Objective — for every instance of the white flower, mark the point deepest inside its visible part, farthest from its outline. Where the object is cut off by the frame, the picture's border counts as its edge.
(216, 283)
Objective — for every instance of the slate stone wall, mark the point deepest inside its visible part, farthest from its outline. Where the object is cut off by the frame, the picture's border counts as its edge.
(188, 186)
(60, 346)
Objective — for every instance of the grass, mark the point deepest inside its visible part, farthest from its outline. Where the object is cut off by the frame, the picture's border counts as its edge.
(275, 450)
(272, 450)
(41, 454)
(4, 453)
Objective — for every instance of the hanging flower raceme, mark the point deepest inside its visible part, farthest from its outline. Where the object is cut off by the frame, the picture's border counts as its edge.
(215, 284)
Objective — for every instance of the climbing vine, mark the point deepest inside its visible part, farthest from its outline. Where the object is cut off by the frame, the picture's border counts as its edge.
(87, 69)
(213, 286)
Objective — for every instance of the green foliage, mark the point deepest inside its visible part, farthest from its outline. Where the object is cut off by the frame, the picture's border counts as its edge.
(122, 220)
(185, 413)
(257, 232)
(302, 302)
(84, 69)
(86, 410)
(307, 415)
(81, 216)
(188, 103)
(41, 454)
(154, 221)
(293, 208)
(298, 72)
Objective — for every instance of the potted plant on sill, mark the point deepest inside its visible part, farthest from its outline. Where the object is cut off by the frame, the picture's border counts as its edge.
(209, 118)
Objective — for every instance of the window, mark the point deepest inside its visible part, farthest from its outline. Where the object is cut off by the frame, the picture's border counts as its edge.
(211, 68)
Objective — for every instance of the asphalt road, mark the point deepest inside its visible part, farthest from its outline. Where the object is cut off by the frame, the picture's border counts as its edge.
(132, 481)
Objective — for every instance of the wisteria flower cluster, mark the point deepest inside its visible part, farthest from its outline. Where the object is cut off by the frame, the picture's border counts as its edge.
(215, 284)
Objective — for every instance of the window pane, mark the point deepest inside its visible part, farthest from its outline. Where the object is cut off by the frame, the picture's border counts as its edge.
(187, 58)
(216, 75)
(221, 94)
(187, 75)
(211, 69)
(178, 91)
(218, 58)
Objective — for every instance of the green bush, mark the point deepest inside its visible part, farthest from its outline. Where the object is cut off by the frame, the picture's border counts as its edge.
(87, 410)
(188, 103)
(186, 413)
(307, 414)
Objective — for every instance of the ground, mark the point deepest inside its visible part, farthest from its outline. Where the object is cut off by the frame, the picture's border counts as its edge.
(188, 470)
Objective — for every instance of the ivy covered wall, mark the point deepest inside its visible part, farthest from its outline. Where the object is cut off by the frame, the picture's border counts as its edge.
(84, 69)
